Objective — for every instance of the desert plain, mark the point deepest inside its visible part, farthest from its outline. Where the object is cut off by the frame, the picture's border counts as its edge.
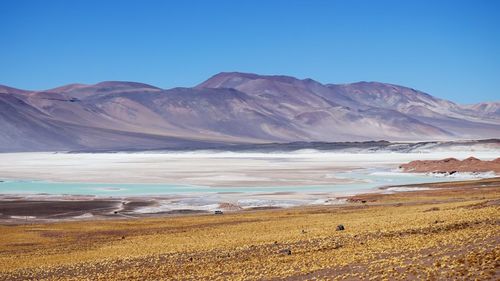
(451, 232)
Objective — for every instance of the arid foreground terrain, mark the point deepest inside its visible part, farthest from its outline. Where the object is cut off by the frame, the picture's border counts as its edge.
(451, 232)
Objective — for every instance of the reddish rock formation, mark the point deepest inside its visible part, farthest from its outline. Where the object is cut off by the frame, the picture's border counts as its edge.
(452, 165)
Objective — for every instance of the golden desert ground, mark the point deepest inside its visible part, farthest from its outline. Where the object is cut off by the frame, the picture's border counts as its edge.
(451, 232)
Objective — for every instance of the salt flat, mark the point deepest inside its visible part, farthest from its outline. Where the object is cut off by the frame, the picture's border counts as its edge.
(208, 168)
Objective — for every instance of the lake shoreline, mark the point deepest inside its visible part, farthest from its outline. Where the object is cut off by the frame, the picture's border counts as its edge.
(27, 210)
(198, 182)
(452, 227)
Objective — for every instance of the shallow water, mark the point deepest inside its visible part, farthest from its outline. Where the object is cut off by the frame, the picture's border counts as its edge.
(365, 180)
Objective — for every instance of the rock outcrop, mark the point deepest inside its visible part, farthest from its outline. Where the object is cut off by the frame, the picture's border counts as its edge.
(452, 165)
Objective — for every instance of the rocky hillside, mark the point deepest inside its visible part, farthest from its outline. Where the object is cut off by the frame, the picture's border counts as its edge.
(231, 108)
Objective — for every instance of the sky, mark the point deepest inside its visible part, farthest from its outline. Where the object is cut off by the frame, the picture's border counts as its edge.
(450, 49)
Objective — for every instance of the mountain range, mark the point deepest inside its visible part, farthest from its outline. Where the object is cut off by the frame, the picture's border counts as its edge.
(232, 108)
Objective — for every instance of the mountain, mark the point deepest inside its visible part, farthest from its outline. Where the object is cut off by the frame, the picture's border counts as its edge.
(103, 88)
(489, 110)
(231, 108)
(462, 121)
(10, 90)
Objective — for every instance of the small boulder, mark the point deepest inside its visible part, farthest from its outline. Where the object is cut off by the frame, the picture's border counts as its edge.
(337, 246)
(286, 252)
(433, 209)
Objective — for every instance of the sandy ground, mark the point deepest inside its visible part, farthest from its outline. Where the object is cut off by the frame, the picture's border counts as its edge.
(204, 168)
(451, 232)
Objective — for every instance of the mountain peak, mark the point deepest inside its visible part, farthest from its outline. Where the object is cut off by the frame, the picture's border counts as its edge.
(67, 88)
(9, 90)
(102, 86)
(124, 85)
(234, 79)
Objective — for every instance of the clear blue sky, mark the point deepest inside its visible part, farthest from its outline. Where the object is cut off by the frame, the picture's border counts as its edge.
(450, 49)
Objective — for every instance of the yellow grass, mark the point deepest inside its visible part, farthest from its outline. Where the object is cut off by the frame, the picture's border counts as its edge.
(429, 235)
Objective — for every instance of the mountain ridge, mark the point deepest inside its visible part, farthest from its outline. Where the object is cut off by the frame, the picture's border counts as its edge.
(232, 107)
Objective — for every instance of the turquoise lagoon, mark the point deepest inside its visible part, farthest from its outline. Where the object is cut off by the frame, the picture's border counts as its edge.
(365, 180)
